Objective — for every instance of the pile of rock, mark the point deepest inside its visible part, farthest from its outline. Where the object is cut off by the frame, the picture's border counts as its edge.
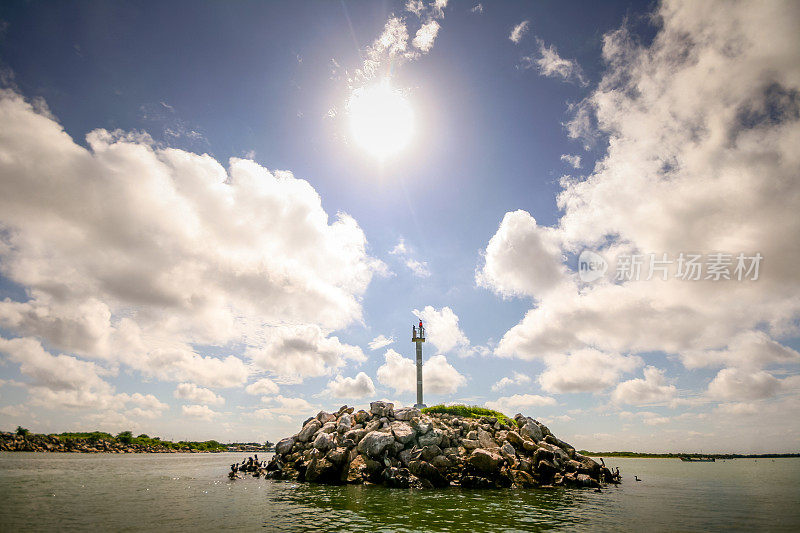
(406, 448)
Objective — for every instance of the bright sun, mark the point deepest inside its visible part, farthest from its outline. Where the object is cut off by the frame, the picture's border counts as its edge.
(381, 119)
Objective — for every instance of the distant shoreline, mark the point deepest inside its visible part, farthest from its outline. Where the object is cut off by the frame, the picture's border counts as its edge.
(125, 442)
(691, 455)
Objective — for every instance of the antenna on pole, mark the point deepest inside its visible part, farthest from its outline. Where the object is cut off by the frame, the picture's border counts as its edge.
(418, 337)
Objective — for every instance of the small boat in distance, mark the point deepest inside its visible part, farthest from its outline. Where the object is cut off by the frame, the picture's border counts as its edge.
(697, 459)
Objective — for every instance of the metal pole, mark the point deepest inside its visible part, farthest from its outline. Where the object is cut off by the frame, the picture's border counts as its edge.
(419, 372)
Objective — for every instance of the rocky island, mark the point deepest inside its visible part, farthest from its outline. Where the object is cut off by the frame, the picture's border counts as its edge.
(411, 448)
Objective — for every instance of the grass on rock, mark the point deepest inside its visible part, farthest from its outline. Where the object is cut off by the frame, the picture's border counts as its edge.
(469, 411)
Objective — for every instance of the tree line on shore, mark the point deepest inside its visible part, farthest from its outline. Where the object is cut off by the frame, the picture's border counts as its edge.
(125, 442)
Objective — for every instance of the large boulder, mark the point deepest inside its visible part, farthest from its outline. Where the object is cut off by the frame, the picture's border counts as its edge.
(325, 417)
(344, 423)
(406, 413)
(308, 430)
(532, 431)
(484, 460)
(403, 432)
(425, 470)
(324, 442)
(374, 443)
(284, 446)
(486, 440)
(431, 438)
(322, 471)
(355, 435)
(328, 427)
(382, 409)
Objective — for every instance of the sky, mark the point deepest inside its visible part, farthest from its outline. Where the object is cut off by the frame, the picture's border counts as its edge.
(217, 219)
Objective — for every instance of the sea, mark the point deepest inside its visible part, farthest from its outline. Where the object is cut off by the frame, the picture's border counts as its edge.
(192, 492)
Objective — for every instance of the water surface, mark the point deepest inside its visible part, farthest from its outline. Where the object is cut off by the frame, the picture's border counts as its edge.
(183, 492)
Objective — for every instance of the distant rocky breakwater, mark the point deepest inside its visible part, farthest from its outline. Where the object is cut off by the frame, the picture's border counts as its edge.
(406, 448)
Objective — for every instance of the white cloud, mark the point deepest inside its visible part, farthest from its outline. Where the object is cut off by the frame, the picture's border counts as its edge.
(418, 268)
(193, 393)
(286, 406)
(515, 379)
(572, 160)
(652, 389)
(522, 258)
(380, 341)
(509, 405)
(701, 157)
(400, 248)
(585, 370)
(200, 412)
(519, 31)
(442, 330)
(262, 387)
(552, 65)
(302, 351)
(132, 253)
(743, 384)
(358, 387)
(425, 36)
(438, 376)
(415, 6)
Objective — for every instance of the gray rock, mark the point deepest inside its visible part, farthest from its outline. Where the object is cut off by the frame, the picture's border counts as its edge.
(470, 444)
(403, 432)
(284, 446)
(486, 440)
(508, 451)
(429, 452)
(308, 430)
(484, 460)
(431, 438)
(374, 443)
(441, 462)
(406, 413)
(355, 435)
(531, 431)
(373, 425)
(329, 427)
(405, 457)
(324, 442)
(361, 416)
(324, 417)
(472, 435)
(421, 424)
(344, 423)
(382, 409)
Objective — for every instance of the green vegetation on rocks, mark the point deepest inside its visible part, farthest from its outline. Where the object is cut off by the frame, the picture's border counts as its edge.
(468, 411)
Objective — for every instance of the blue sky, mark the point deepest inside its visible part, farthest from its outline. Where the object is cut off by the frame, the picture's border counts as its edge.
(210, 297)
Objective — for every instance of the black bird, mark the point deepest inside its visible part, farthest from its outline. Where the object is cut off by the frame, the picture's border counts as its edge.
(636, 478)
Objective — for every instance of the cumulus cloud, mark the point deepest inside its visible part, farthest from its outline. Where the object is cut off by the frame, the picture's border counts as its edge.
(515, 379)
(133, 254)
(701, 124)
(522, 258)
(519, 403)
(381, 341)
(262, 387)
(406, 253)
(438, 376)
(519, 31)
(358, 387)
(418, 268)
(652, 389)
(552, 65)
(442, 330)
(193, 393)
(743, 384)
(200, 412)
(302, 351)
(282, 406)
(585, 370)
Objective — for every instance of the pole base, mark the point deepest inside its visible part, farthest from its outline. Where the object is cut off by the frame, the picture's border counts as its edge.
(420, 406)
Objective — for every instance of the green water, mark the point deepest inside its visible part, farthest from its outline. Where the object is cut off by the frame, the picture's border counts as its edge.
(176, 492)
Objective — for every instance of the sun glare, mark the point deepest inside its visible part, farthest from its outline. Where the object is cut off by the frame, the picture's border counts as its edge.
(381, 119)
